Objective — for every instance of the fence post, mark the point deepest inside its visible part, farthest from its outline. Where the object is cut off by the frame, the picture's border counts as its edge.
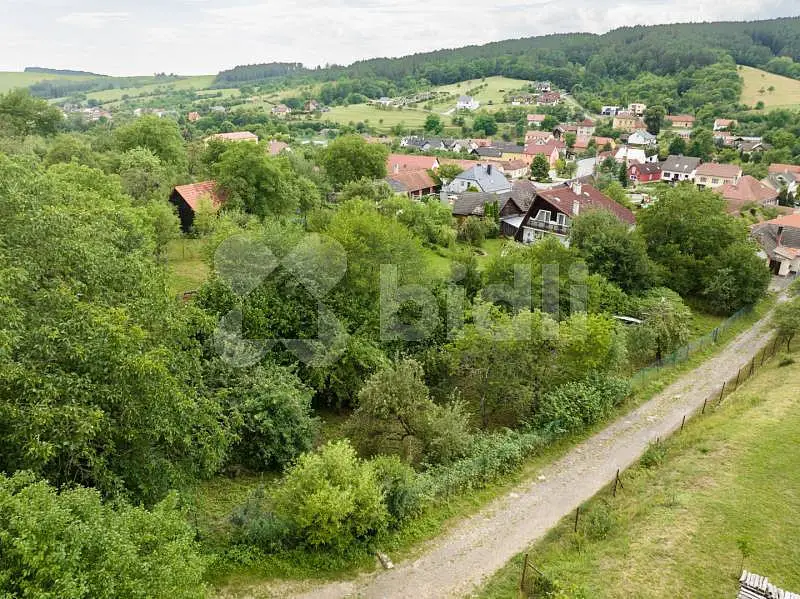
(722, 392)
(763, 355)
(703, 410)
(683, 422)
(738, 373)
(577, 515)
(752, 367)
(524, 571)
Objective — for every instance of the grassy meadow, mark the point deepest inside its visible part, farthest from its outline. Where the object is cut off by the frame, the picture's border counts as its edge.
(494, 92)
(757, 84)
(10, 80)
(723, 493)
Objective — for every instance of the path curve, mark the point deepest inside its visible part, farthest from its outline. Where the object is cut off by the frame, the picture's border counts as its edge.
(455, 563)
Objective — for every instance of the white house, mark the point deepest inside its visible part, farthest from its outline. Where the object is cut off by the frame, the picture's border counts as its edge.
(679, 168)
(483, 177)
(637, 108)
(626, 155)
(642, 137)
(467, 103)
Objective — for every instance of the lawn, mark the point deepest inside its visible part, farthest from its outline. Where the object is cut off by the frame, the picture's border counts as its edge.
(730, 480)
(10, 80)
(786, 92)
(494, 92)
(379, 118)
(186, 265)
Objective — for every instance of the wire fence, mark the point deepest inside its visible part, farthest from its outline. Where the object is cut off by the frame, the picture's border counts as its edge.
(534, 582)
(644, 375)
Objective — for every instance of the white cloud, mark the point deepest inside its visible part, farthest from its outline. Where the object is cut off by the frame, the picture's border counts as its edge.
(93, 20)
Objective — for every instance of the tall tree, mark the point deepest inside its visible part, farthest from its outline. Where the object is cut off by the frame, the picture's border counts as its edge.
(653, 118)
(540, 168)
(433, 124)
(161, 136)
(350, 158)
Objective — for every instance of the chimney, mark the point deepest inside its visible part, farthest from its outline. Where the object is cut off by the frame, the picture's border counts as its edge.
(488, 169)
(780, 235)
(576, 187)
(576, 207)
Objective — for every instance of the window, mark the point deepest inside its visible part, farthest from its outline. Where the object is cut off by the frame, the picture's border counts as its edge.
(543, 215)
(714, 181)
(561, 218)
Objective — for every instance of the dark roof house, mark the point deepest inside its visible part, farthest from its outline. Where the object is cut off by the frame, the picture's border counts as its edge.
(187, 199)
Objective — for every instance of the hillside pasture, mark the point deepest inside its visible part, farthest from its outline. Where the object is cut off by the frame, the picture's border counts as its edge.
(199, 82)
(11, 80)
(494, 92)
(785, 92)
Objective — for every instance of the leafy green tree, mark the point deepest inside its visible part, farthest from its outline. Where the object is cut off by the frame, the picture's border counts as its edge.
(665, 323)
(448, 171)
(653, 118)
(161, 136)
(21, 114)
(622, 175)
(486, 123)
(540, 168)
(350, 158)
(677, 146)
(612, 250)
(433, 124)
(331, 498)
(472, 231)
(74, 546)
(395, 414)
(786, 320)
(569, 139)
(143, 176)
(69, 147)
(702, 144)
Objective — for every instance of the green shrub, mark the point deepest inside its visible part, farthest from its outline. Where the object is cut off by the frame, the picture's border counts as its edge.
(255, 525)
(654, 456)
(785, 359)
(331, 498)
(401, 488)
(600, 521)
(576, 405)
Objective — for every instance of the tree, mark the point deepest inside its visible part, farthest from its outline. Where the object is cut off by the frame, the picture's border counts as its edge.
(449, 171)
(622, 175)
(786, 320)
(570, 139)
(161, 136)
(21, 114)
(69, 147)
(612, 250)
(331, 498)
(350, 158)
(143, 176)
(653, 118)
(471, 231)
(395, 414)
(486, 123)
(433, 124)
(665, 325)
(73, 545)
(540, 168)
(677, 146)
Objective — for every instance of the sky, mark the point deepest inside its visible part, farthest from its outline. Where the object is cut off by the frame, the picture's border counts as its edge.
(194, 37)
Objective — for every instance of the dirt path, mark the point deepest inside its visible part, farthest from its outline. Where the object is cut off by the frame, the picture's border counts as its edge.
(452, 565)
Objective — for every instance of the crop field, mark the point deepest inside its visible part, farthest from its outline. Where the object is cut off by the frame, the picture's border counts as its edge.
(774, 90)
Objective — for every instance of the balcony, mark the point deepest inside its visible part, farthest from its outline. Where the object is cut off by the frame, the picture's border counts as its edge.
(549, 225)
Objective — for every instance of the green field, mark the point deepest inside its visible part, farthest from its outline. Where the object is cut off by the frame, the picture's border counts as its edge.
(377, 117)
(186, 265)
(112, 95)
(757, 83)
(729, 481)
(10, 80)
(494, 92)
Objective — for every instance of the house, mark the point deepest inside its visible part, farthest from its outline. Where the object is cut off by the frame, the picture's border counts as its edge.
(548, 98)
(281, 110)
(681, 121)
(538, 137)
(311, 106)
(585, 128)
(780, 240)
(473, 203)
(626, 155)
(413, 183)
(398, 163)
(581, 143)
(511, 151)
(748, 147)
(188, 198)
(483, 177)
(725, 139)
(514, 169)
(550, 150)
(384, 101)
(642, 138)
(679, 168)
(779, 180)
(753, 586)
(602, 142)
(193, 117)
(627, 121)
(521, 99)
(637, 108)
(714, 174)
(542, 86)
(724, 124)
(234, 136)
(467, 103)
(487, 152)
(648, 172)
(536, 120)
(552, 210)
(783, 168)
(275, 147)
(748, 190)
(609, 110)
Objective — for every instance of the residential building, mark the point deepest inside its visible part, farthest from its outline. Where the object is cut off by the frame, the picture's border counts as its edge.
(548, 98)
(788, 180)
(724, 124)
(398, 163)
(473, 203)
(780, 241)
(413, 183)
(536, 120)
(627, 121)
(188, 199)
(487, 152)
(483, 177)
(681, 121)
(522, 99)
(275, 147)
(510, 150)
(311, 106)
(514, 169)
(550, 150)
(627, 155)
(552, 210)
(602, 142)
(749, 147)
(714, 174)
(234, 136)
(648, 172)
(609, 110)
(642, 138)
(585, 128)
(748, 190)
(281, 110)
(784, 168)
(637, 108)
(467, 103)
(384, 101)
(538, 137)
(679, 168)
(542, 86)
(193, 117)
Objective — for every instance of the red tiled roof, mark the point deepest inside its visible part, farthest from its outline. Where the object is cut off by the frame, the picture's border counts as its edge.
(590, 198)
(536, 118)
(235, 136)
(193, 193)
(397, 163)
(582, 142)
(749, 189)
(513, 165)
(680, 118)
(586, 123)
(276, 147)
(715, 169)
(600, 142)
(784, 168)
(413, 181)
(790, 220)
(532, 149)
(465, 164)
(723, 122)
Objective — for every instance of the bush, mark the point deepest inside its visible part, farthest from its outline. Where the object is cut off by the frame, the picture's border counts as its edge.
(600, 521)
(401, 488)
(654, 456)
(785, 359)
(331, 498)
(256, 525)
(576, 405)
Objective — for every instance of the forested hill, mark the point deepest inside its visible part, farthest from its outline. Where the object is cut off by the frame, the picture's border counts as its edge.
(569, 59)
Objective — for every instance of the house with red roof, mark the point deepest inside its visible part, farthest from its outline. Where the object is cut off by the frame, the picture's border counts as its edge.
(397, 163)
(193, 117)
(780, 241)
(189, 198)
(536, 120)
(415, 184)
(647, 172)
(681, 121)
(748, 190)
(234, 136)
(552, 210)
(724, 124)
(550, 150)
